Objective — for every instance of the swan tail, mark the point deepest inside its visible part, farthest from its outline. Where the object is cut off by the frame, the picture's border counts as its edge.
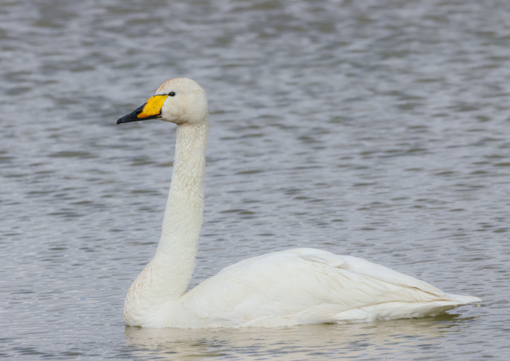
(464, 300)
(396, 310)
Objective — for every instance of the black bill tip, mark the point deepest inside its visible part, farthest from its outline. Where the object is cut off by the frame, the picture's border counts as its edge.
(132, 117)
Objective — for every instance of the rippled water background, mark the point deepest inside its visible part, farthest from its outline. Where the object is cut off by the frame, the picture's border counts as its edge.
(373, 128)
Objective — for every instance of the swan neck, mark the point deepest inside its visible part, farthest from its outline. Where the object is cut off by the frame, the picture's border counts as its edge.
(184, 209)
(166, 278)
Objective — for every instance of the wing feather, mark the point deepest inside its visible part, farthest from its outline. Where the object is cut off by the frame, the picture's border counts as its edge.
(301, 286)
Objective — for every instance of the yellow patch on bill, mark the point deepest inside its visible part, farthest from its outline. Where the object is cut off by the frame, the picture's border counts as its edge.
(153, 106)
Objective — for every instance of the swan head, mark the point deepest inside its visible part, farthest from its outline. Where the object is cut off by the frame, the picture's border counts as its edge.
(179, 101)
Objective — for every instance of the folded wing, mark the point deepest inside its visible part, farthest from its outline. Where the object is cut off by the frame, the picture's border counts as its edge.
(303, 286)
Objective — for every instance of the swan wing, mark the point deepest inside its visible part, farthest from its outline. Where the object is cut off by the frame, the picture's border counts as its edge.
(303, 286)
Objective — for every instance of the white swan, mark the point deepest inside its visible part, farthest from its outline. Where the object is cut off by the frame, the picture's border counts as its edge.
(298, 286)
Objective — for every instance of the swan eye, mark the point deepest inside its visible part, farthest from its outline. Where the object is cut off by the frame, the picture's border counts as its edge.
(172, 94)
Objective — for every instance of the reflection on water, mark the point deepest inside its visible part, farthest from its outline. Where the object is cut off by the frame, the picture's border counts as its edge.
(359, 340)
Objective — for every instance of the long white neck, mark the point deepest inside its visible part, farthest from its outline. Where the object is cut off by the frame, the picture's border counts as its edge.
(184, 208)
(167, 276)
(185, 205)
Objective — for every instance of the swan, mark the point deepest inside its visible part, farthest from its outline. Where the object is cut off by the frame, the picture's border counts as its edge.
(293, 287)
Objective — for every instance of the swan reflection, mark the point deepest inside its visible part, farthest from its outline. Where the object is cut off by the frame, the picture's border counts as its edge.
(377, 339)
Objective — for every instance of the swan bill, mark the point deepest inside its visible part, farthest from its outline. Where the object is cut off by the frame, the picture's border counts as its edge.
(150, 110)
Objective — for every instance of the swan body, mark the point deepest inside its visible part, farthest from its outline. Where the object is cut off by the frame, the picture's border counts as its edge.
(293, 287)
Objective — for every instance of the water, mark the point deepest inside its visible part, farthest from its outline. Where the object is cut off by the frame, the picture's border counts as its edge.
(378, 129)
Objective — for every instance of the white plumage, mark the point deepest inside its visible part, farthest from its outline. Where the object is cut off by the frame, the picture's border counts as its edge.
(294, 287)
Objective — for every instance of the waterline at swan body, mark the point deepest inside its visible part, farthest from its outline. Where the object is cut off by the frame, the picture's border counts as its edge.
(293, 287)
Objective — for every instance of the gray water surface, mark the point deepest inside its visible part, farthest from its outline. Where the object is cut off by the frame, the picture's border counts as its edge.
(378, 129)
